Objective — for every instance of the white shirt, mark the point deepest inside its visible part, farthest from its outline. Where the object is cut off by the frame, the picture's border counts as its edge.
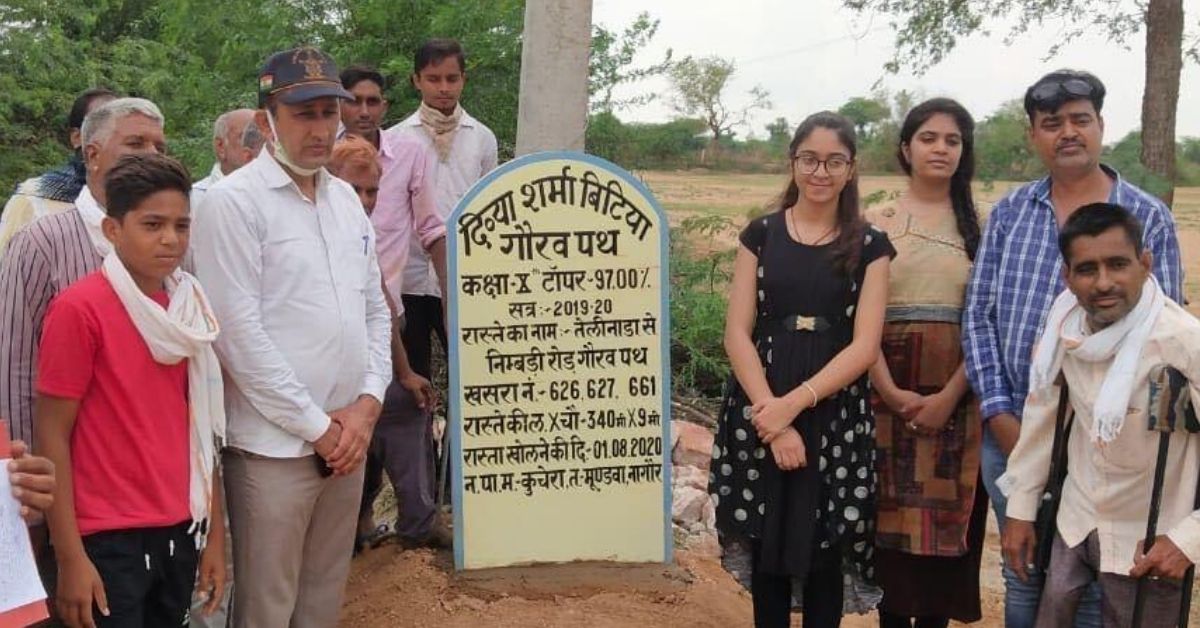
(295, 285)
(472, 155)
(202, 186)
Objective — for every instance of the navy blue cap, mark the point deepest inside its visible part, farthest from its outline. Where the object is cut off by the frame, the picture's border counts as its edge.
(299, 75)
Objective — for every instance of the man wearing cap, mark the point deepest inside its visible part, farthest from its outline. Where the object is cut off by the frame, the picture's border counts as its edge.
(1018, 272)
(287, 256)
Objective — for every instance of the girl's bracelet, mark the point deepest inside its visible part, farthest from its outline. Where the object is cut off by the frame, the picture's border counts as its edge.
(812, 390)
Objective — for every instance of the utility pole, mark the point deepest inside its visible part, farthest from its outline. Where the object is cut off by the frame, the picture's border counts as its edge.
(553, 108)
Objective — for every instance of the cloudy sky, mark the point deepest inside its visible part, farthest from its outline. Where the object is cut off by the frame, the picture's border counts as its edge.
(816, 54)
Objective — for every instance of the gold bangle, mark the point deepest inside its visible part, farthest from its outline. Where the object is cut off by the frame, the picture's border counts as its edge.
(812, 390)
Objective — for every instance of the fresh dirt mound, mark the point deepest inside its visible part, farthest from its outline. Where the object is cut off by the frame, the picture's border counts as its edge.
(581, 579)
(389, 588)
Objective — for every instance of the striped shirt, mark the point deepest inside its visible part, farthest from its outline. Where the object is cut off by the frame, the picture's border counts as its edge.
(41, 260)
(1018, 273)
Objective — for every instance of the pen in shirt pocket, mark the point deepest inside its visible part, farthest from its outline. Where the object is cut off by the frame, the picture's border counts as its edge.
(366, 239)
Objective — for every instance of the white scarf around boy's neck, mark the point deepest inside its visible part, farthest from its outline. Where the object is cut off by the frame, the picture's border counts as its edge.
(1067, 331)
(93, 218)
(184, 330)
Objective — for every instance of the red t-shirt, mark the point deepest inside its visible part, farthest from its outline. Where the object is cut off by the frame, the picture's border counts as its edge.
(130, 447)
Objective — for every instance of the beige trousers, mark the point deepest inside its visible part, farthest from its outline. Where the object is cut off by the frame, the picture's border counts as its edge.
(293, 532)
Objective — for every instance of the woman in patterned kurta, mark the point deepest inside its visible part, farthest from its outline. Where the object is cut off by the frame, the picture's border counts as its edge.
(932, 508)
(793, 471)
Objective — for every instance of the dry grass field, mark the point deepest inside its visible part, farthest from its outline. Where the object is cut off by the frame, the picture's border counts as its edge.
(739, 195)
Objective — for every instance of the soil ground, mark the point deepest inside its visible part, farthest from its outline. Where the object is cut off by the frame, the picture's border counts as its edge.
(419, 588)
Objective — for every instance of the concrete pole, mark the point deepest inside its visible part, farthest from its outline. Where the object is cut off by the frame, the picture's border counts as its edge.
(553, 108)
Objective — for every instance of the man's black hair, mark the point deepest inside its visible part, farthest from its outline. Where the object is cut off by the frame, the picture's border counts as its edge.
(1093, 220)
(135, 178)
(79, 108)
(357, 73)
(1063, 96)
(434, 50)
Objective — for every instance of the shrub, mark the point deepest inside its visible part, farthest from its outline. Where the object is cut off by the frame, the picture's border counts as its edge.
(699, 283)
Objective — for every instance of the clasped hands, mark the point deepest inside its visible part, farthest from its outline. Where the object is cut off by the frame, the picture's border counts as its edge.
(344, 445)
(772, 419)
(927, 415)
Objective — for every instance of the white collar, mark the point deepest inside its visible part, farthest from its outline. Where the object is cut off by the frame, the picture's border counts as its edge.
(93, 217)
(276, 177)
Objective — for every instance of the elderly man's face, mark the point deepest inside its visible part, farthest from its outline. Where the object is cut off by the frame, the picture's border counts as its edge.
(364, 180)
(132, 134)
(229, 150)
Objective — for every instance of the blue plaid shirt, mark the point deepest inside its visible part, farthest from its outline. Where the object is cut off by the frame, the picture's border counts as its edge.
(1017, 275)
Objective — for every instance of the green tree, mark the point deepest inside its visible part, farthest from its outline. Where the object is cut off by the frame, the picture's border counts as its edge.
(197, 59)
(779, 135)
(866, 112)
(609, 138)
(1124, 156)
(1002, 146)
(670, 144)
(779, 130)
(169, 51)
(700, 85)
(611, 63)
(878, 139)
(927, 30)
(1189, 162)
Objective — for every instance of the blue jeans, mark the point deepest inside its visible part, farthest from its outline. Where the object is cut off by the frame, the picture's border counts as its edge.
(1021, 598)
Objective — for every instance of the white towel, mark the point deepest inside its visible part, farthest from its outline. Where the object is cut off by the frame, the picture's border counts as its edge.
(1066, 331)
(186, 329)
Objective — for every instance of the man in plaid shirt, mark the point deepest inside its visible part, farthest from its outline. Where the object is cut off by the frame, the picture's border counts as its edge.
(1018, 273)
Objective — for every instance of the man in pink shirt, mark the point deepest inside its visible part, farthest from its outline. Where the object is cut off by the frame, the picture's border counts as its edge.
(407, 208)
(402, 444)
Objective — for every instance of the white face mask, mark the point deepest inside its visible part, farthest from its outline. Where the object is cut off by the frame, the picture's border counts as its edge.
(281, 153)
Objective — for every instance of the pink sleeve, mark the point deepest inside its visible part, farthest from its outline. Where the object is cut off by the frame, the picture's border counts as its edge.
(426, 222)
(67, 352)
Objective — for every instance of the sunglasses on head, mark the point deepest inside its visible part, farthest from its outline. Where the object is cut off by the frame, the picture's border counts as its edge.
(1054, 90)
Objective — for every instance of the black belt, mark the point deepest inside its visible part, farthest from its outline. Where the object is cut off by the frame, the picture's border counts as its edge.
(805, 323)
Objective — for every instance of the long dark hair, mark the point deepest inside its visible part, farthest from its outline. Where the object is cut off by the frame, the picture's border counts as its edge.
(965, 216)
(847, 246)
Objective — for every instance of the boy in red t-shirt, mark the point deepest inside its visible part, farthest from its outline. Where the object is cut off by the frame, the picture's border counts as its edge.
(129, 408)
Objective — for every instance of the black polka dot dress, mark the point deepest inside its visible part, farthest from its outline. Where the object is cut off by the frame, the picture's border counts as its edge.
(828, 505)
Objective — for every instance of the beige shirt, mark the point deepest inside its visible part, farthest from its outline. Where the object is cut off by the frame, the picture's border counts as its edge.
(1108, 488)
(24, 207)
(931, 268)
